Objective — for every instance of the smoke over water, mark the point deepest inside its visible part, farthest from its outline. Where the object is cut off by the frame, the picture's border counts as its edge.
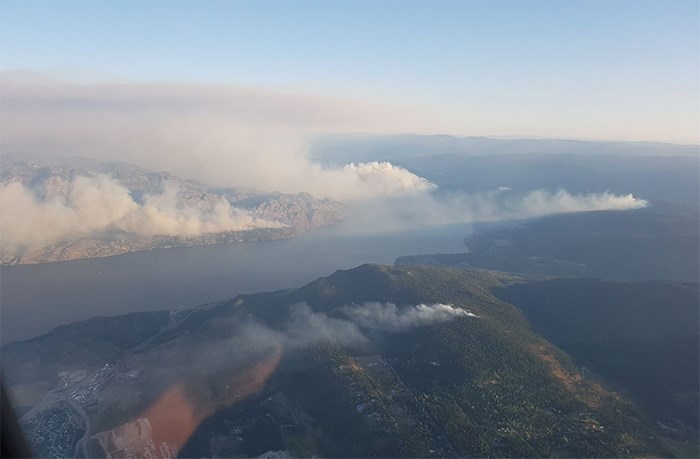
(229, 137)
(434, 208)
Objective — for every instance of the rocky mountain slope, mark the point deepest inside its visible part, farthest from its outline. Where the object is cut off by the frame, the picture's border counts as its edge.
(145, 210)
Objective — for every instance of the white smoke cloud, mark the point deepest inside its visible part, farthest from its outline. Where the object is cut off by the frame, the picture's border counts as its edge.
(435, 208)
(94, 205)
(229, 136)
(374, 179)
(388, 316)
(540, 202)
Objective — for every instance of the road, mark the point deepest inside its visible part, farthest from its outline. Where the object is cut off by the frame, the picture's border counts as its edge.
(97, 379)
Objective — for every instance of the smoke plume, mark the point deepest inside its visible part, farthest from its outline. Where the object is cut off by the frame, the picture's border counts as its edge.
(228, 136)
(346, 326)
(432, 207)
(242, 340)
(388, 316)
(99, 205)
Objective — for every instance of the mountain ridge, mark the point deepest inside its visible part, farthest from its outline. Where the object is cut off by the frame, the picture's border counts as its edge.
(148, 207)
(481, 383)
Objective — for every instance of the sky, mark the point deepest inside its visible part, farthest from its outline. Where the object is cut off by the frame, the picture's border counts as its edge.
(626, 70)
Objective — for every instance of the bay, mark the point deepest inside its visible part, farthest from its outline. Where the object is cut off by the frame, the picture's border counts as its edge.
(36, 298)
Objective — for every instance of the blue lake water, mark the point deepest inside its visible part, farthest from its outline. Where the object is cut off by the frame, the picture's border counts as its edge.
(36, 298)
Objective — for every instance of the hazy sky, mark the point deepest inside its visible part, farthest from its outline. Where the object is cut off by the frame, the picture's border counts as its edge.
(613, 70)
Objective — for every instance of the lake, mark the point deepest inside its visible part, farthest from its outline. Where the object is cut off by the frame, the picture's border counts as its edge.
(36, 298)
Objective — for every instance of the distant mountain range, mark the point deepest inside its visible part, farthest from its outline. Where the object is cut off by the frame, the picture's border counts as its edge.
(380, 361)
(363, 147)
(650, 170)
(157, 210)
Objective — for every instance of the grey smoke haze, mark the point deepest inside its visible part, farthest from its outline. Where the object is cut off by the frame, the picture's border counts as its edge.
(435, 208)
(306, 327)
(95, 205)
(98, 206)
(223, 136)
(243, 340)
(227, 136)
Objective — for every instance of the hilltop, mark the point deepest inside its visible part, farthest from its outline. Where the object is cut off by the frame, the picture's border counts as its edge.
(378, 360)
